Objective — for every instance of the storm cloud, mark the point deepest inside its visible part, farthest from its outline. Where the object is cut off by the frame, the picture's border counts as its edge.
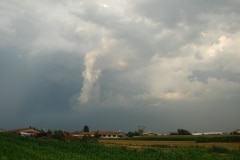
(116, 65)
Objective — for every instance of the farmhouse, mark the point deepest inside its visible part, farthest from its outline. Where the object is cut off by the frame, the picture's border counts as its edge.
(237, 131)
(101, 134)
(110, 134)
(212, 133)
(25, 131)
(82, 134)
(148, 133)
(197, 133)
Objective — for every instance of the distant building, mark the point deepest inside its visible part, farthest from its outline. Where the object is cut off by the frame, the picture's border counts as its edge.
(2, 130)
(81, 134)
(237, 131)
(25, 132)
(212, 133)
(197, 134)
(206, 133)
(148, 133)
(110, 134)
(101, 134)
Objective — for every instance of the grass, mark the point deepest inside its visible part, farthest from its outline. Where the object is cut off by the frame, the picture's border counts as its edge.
(218, 149)
(13, 147)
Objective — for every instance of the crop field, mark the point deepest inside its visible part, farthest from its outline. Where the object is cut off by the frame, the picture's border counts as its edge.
(139, 144)
(13, 147)
(228, 142)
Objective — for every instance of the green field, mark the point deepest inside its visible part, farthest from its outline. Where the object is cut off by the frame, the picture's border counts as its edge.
(200, 138)
(13, 147)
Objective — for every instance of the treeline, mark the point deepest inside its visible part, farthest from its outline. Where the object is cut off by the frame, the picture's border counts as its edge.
(140, 132)
(198, 139)
(56, 134)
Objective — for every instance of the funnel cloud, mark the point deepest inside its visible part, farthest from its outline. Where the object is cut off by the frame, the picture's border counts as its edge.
(168, 64)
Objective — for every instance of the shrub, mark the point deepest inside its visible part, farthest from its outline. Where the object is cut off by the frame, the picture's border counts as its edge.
(58, 134)
(183, 132)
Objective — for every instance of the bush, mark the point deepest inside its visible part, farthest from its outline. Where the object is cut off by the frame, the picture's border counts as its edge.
(183, 132)
(89, 139)
(58, 134)
(133, 134)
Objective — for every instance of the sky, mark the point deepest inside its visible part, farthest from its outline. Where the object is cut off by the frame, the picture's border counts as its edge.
(116, 65)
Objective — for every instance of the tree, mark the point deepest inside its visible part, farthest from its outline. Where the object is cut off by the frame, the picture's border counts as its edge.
(183, 132)
(85, 128)
(132, 134)
(42, 133)
(58, 134)
(49, 132)
(141, 129)
(97, 135)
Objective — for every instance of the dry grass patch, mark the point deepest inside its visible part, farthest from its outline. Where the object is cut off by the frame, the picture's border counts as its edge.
(140, 144)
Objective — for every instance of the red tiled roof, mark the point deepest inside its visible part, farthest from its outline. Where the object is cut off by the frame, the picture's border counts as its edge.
(109, 133)
(26, 130)
(77, 133)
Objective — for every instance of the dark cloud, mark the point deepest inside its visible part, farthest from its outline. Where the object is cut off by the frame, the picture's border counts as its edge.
(171, 13)
(117, 65)
(39, 86)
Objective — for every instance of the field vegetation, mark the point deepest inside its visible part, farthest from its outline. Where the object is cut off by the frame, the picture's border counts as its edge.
(140, 144)
(15, 147)
(200, 138)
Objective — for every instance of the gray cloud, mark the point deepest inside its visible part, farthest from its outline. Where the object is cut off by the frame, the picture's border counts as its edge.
(64, 64)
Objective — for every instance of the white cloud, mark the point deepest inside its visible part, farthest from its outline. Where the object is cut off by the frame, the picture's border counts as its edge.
(131, 53)
(92, 71)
